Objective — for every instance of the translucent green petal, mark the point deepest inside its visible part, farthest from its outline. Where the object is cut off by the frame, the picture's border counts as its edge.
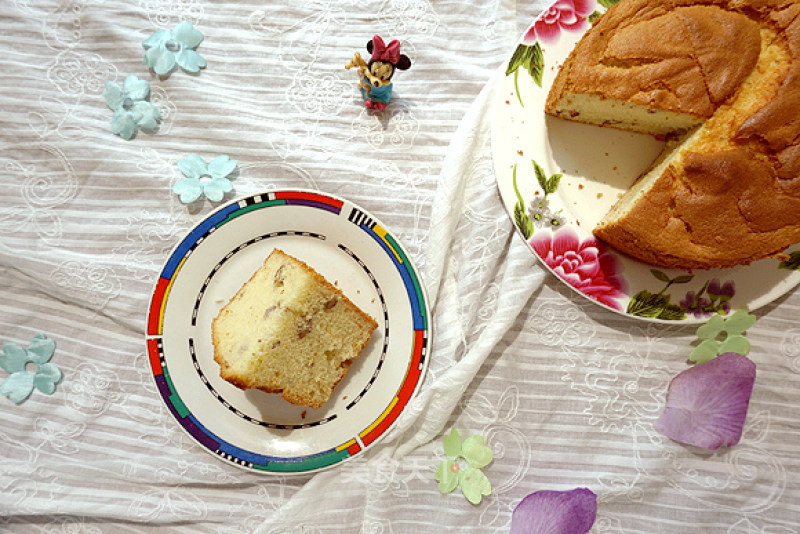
(740, 321)
(705, 351)
(122, 124)
(452, 444)
(221, 166)
(735, 343)
(17, 387)
(46, 377)
(476, 453)
(146, 115)
(189, 190)
(152, 56)
(158, 38)
(189, 60)
(113, 95)
(711, 328)
(187, 34)
(474, 485)
(135, 88)
(193, 166)
(13, 357)
(216, 189)
(447, 479)
(165, 62)
(41, 349)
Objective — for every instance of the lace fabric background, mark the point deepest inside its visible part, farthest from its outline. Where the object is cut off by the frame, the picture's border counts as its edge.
(564, 392)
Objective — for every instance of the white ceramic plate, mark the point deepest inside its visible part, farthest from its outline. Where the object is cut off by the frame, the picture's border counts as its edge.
(596, 165)
(260, 431)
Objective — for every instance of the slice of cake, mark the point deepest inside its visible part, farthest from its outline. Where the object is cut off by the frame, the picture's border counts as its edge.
(289, 331)
(720, 79)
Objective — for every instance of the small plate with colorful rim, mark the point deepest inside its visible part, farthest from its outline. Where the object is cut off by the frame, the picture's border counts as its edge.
(558, 178)
(259, 431)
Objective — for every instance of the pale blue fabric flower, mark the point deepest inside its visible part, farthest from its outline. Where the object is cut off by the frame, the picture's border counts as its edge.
(20, 383)
(201, 179)
(165, 49)
(131, 111)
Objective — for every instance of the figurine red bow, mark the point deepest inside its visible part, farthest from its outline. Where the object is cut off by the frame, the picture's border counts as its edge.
(383, 52)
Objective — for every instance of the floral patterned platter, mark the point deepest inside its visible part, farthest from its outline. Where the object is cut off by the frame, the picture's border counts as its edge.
(558, 178)
(258, 431)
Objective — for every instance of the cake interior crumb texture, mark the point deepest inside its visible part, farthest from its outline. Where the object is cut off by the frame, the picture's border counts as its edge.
(289, 331)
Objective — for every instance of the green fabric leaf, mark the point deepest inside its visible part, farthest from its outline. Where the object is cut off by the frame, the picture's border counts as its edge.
(705, 351)
(123, 124)
(474, 485)
(189, 60)
(189, 189)
(41, 349)
(740, 321)
(452, 444)
(735, 343)
(46, 377)
(113, 95)
(221, 166)
(146, 115)
(476, 453)
(447, 479)
(193, 166)
(711, 328)
(186, 33)
(135, 89)
(13, 357)
(158, 38)
(216, 189)
(17, 387)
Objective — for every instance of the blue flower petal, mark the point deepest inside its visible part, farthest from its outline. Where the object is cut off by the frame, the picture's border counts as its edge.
(41, 349)
(187, 35)
(158, 38)
(190, 61)
(17, 387)
(146, 115)
(135, 88)
(123, 124)
(46, 377)
(113, 95)
(221, 166)
(193, 166)
(165, 62)
(13, 357)
(216, 189)
(189, 189)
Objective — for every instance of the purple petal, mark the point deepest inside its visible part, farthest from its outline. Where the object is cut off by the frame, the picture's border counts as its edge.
(707, 404)
(555, 512)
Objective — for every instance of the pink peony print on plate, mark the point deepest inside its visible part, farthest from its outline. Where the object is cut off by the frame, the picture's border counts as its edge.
(585, 264)
(568, 15)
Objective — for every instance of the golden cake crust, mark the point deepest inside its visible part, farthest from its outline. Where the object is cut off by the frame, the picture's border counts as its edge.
(733, 196)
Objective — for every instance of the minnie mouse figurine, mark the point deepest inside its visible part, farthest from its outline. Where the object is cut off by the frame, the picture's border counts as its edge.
(376, 76)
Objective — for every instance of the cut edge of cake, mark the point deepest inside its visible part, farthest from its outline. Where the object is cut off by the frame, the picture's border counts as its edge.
(297, 338)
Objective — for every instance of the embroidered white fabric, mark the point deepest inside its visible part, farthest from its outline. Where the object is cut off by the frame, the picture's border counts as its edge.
(564, 392)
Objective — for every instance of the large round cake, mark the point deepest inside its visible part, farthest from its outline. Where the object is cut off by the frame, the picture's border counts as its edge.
(721, 81)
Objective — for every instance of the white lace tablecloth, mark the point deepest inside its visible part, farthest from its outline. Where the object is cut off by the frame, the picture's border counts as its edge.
(564, 392)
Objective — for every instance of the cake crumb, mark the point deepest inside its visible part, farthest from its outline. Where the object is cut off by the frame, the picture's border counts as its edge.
(303, 415)
(519, 152)
(344, 398)
(580, 186)
(599, 195)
